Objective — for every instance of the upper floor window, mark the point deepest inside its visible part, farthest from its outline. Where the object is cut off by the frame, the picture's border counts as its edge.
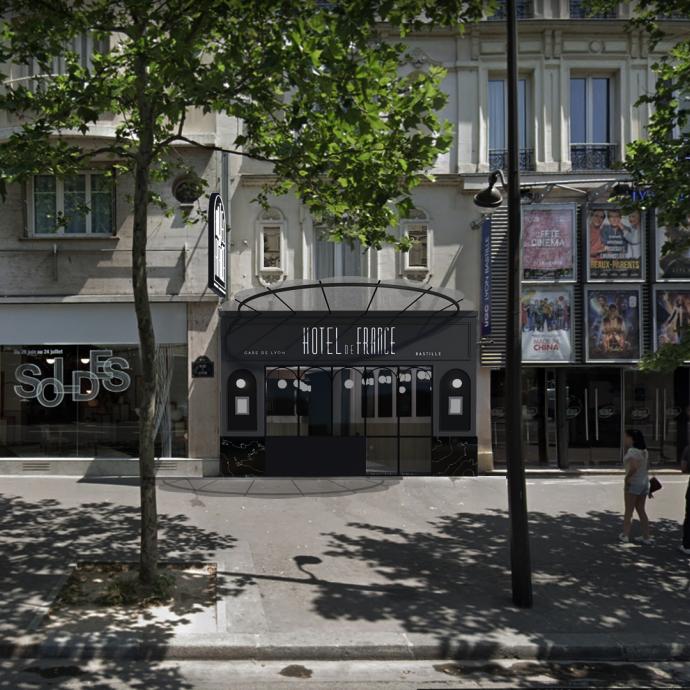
(417, 260)
(498, 125)
(590, 123)
(271, 246)
(579, 10)
(335, 259)
(33, 74)
(524, 9)
(74, 205)
(682, 128)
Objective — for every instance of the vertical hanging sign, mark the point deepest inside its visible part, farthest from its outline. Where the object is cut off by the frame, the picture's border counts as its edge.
(217, 252)
(485, 313)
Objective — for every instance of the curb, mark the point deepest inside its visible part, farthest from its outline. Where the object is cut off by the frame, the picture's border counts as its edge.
(388, 647)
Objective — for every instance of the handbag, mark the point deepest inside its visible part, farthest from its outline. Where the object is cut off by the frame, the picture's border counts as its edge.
(654, 485)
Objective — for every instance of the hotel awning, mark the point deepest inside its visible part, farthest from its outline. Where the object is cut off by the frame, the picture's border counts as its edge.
(347, 294)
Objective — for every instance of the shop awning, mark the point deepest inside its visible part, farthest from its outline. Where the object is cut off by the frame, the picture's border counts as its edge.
(347, 294)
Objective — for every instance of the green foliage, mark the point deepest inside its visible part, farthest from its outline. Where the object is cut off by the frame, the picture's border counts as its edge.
(315, 84)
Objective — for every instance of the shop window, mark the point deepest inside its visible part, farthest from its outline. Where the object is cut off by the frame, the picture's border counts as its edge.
(271, 247)
(281, 402)
(74, 205)
(348, 416)
(83, 401)
(417, 260)
(315, 398)
(591, 147)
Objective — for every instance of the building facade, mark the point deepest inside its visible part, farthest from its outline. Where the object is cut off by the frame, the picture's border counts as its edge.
(423, 393)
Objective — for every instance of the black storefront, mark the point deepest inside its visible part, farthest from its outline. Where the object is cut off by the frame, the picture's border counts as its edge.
(348, 378)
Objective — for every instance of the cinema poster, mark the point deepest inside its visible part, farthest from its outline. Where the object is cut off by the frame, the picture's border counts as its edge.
(548, 243)
(671, 316)
(613, 324)
(675, 264)
(615, 244)
(546, 321)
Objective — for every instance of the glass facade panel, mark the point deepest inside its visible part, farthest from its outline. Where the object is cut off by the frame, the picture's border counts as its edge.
(281, 402)
(578, 111)
(600, 111)
(348, 418)
(75, 204)
(497, 114)
(101, 205)
(315, 402)
(418, 255)
(45, 204)
(271, 247)
(82, 401)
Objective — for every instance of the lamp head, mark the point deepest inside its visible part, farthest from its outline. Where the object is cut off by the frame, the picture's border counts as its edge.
(490, 197)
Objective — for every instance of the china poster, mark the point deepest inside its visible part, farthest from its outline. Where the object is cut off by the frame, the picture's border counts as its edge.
(548, 243)
(672, 265)
(546, 315)
(615, 244)
(613, 324)
(671, 316)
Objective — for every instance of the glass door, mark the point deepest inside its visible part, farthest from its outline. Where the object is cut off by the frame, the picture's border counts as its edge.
(653, 406)
(593, 414)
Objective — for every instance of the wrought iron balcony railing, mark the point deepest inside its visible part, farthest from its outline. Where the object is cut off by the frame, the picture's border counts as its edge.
(523, 8)
(498, 159)
(578, 10)
(592, 156)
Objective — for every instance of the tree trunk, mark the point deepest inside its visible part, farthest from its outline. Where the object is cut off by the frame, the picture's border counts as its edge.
(148, 559)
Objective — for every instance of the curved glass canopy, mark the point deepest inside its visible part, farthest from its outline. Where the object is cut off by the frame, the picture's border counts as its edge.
(347, 294)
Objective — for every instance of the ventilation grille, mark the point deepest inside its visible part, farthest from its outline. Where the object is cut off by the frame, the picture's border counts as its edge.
(493, 353)
(166, 465)
(36, 466)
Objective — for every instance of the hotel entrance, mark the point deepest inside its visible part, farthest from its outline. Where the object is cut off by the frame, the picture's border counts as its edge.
(314, 390)
(575, 417)
(382, 414)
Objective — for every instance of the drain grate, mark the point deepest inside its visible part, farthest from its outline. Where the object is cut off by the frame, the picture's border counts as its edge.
(29, 466)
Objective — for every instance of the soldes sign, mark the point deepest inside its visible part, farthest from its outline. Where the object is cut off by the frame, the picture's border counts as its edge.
(84, 385)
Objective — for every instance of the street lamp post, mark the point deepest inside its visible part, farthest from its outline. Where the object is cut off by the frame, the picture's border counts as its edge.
(491, 198)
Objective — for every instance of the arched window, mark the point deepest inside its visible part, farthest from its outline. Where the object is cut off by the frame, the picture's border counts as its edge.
(271, 265)
(417, 261)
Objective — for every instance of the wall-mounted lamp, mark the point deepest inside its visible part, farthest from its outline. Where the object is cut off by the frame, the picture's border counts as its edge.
(490, 198)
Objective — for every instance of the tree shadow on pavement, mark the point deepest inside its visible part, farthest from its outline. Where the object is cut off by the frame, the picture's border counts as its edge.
(41, 539)
(454, 579)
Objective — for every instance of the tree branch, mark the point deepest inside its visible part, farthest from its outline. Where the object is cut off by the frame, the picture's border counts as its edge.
(213, 147)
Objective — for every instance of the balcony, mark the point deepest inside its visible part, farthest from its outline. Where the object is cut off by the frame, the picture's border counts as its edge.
(498, 159)
(579, 11)
(593, 156)
(523, 8)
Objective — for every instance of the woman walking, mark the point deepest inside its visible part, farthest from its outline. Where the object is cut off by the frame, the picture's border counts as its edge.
(636, 463)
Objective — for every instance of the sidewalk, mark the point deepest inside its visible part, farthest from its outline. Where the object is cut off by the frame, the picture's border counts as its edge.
(368, 568)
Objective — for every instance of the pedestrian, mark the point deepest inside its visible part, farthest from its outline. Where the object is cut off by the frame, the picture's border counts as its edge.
(685, 467)
(636, 488)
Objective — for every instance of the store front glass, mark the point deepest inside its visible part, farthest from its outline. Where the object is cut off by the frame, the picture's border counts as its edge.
(576, 417)
(389, 407)
(594, 415)
(81, 401)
